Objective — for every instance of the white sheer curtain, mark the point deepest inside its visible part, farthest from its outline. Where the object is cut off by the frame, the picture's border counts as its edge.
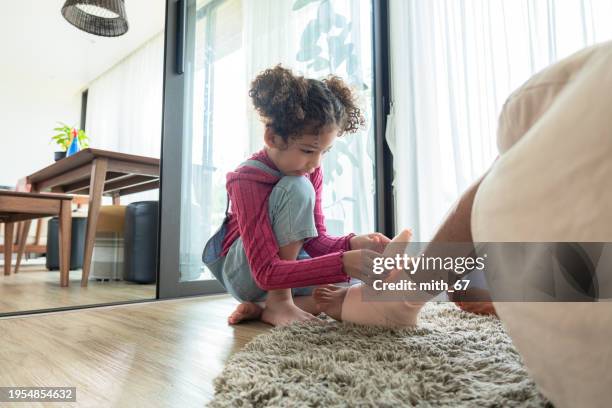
(277, 31)
(453, 64)
(124, 106)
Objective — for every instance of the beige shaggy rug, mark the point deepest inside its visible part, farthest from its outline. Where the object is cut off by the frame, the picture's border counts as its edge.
(452, 359)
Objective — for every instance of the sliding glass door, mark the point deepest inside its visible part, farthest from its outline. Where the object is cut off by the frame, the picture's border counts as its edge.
(214, 48)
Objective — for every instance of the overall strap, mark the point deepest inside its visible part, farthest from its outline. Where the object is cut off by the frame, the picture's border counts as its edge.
(259, 165)
(227, 203)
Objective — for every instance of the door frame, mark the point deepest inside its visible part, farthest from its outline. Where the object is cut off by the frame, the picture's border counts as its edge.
(169, 284)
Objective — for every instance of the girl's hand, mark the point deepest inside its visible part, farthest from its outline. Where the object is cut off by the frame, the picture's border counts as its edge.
(359, 264)
(374, 242)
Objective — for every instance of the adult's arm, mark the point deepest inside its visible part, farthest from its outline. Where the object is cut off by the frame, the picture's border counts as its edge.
(456, 227)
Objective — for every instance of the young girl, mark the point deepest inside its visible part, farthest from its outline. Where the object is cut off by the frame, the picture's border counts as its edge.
(273, 246)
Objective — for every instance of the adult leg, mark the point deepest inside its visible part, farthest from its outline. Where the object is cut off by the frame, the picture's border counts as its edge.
(456, 227)
(347, 304)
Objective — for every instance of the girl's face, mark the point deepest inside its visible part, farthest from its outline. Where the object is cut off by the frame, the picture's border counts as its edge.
(299, 155)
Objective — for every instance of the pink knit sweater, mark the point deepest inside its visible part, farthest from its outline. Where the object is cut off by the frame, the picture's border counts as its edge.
(249, 189)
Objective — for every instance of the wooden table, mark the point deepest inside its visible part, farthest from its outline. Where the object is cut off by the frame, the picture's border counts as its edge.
(19, 206)
(96, 173)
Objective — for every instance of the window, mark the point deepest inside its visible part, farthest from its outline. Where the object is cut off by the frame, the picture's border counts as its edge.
(229, 43)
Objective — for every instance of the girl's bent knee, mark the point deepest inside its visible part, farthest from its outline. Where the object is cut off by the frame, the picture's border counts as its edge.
(297, 187)
(291, 210)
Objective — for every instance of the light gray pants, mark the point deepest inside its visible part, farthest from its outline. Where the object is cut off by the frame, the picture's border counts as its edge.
(291, 212)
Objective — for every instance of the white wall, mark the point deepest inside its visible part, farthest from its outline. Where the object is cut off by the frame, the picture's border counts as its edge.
(29, 110)
(44, 64)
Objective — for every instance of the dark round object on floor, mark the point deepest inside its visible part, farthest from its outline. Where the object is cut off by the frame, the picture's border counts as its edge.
(141, 238)
(77, 243)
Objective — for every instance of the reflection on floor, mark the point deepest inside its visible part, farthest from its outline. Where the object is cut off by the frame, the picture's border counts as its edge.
(161, 354)
(36, 288)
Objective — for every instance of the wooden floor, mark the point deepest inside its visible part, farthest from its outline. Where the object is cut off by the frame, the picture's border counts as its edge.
(36, 288)
(159, 354)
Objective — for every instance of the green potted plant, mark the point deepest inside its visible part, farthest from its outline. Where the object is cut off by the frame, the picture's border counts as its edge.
(65, 136)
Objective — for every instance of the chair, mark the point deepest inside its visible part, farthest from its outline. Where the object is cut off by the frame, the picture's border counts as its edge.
(20, 229)
(36, 245)
(22, 206)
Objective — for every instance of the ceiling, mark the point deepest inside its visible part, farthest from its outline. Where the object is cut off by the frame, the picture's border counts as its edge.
(38, 44)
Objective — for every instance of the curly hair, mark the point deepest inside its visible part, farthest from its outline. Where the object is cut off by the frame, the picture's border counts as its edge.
(291, 104)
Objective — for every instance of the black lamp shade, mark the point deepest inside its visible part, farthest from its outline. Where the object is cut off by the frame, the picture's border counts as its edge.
(106, 18)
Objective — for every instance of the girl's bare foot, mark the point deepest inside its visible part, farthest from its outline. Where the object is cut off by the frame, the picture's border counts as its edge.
(329, 299)
(245, 311)
(283, 313)
(275, 313)
(280, 309)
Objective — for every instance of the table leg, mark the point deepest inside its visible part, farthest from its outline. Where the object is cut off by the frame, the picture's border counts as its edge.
(17, 231)
(8, 247)
(25, 231)
(38, 231)
(116, 199)
(96, 188)
(65, 232)
(23, 238)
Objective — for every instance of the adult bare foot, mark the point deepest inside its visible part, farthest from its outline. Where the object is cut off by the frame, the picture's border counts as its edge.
(475, 300)
(329, 299)
(347, 304)
(245, 311)
(378, 313)
(284, 313)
